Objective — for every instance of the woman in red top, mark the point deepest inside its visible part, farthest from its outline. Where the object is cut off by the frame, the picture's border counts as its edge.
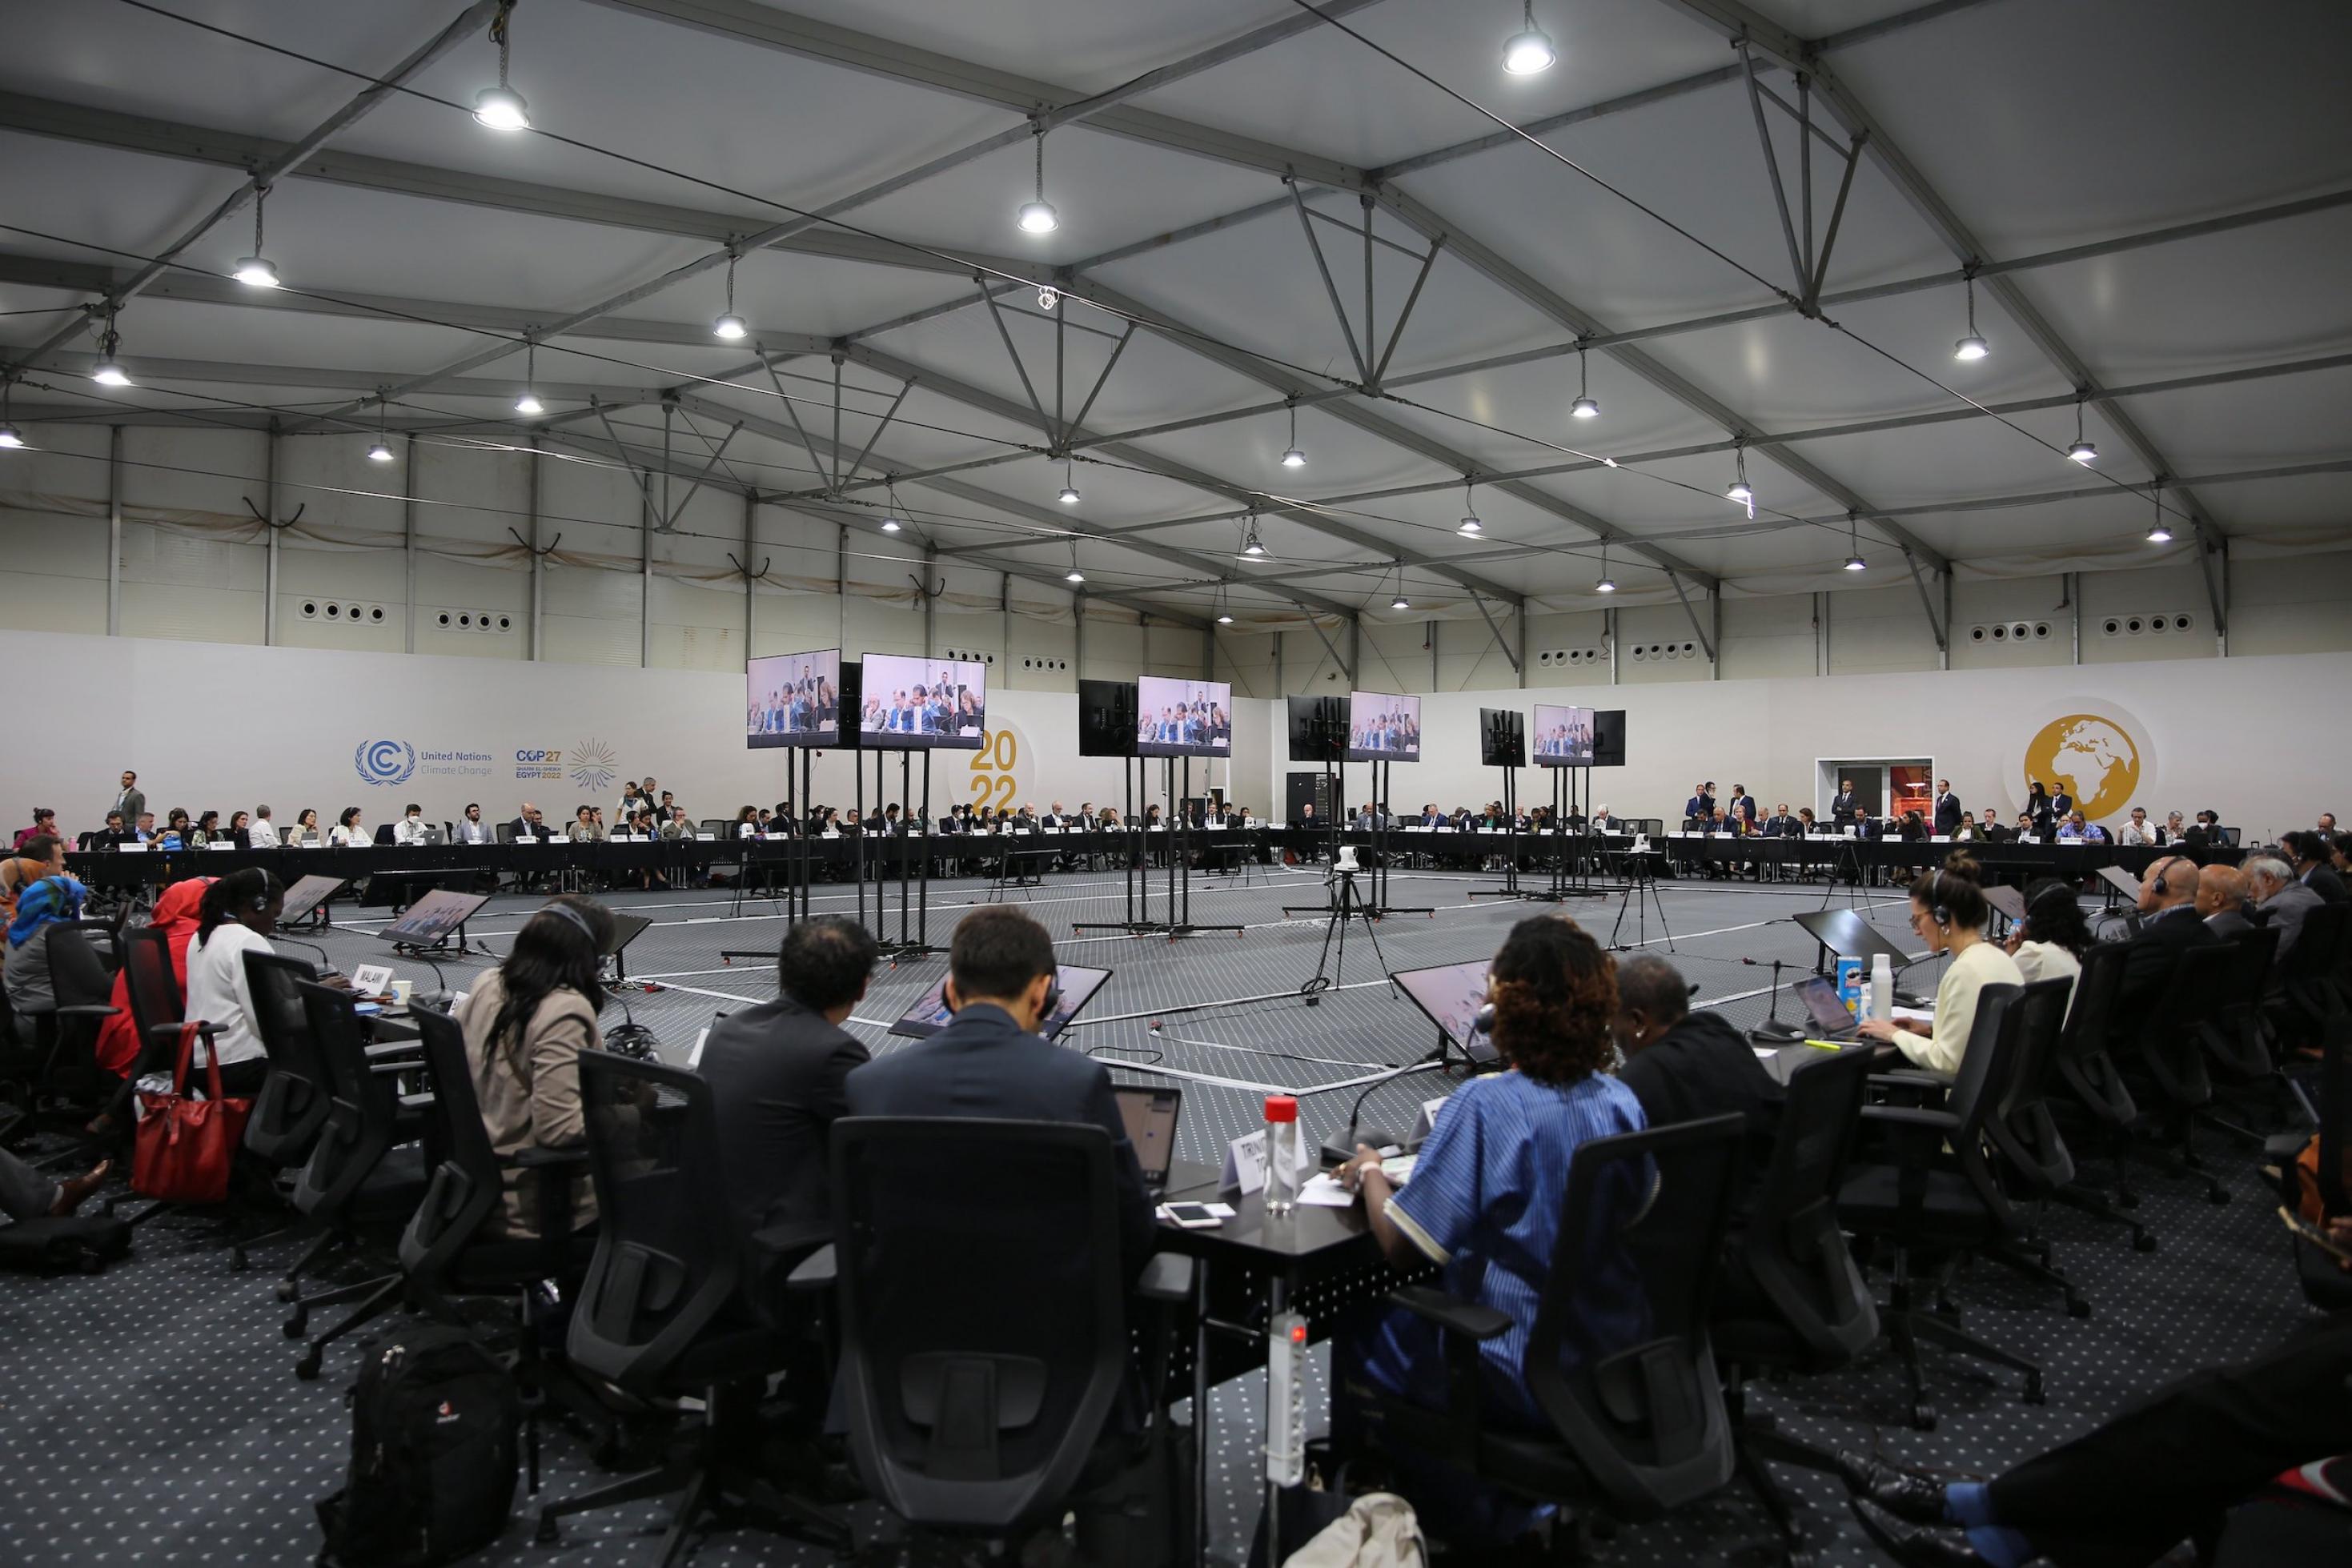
(175, 915)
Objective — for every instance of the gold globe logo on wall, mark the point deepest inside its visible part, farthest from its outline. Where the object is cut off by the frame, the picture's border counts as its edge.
(2088, 756)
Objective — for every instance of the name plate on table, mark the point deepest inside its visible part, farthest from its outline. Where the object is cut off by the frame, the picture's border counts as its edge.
(1426, 1122)
(222, 844)
(1246, 1163)
(130, 849)
(1213, 827)
(529, 839)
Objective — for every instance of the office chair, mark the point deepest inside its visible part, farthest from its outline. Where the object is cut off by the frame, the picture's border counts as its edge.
(447, 1252)
(988, 1420)
(2087, 1070)
(2171, 1055)
(1803, 1305)
(2324, 1285)
(660, 1314)
(1638, 1427)
(2236, 1038)
(294, 1100)
(1916, 1205)
(47, 1058)
(2308, 984)
(2025, 1139)
(356, 1179)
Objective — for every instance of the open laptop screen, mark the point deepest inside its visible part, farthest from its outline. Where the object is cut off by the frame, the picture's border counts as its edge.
(1151, 1118)
(930, 1012)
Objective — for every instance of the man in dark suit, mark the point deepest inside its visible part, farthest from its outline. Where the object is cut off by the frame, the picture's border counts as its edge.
(990, 1062)
(1699, 810)
(777, 1073)
(2169, 927)
(1994, 832)
(2311, 867)
(529, 825)
(2221, 900)
(1947, 809)
(1844, 806)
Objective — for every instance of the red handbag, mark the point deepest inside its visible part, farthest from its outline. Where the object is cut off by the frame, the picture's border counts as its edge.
(184, 1146)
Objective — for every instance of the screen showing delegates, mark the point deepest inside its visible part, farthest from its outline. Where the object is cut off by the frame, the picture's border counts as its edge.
(794, 699)
(1183, 718)
(911, 704)
(1383, 728)
(1562, 737)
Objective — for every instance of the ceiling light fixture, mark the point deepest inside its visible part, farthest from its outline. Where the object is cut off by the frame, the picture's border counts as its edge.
(2082, 452)
(382, 451)
(1251, 546)
(2159, 534)
(1529, 53)
(1607, 584)
(1854, 542)
(1584, 407)
(254, 271)
(890, 523)
(1069, 495)
(501, 107)
(529, 403)
(1470, 527)
(1294, 457)
(1741, 493)
(11, 437)
(1225, 606)
(730, 326)
(1400, 601)
(1038, 217)
(1971, 347)
(109, 371)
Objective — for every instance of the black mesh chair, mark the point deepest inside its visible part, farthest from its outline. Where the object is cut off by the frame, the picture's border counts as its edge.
(660, 1314)
(291, 1105)
(52, 1067)
(985, 1421)
(2308, 978)
(1635, 1423)
(1803, 1306)
(2030, 1155)
(1921, 1206)
(2237, 1039)
(448, 1251)
(360, 1183)
(157, 1004)
(2168, 1053)
(2098, 1100)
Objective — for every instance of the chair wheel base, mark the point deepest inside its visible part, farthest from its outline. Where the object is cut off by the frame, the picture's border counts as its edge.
(2216, 1196)
(2033, 1391)
(549, 1532)
(1922, 1417)
(2143, 1242)
(307, 1369)
(296, 1326)
(2078, 1308)
(237, 1260)
(287, 1290)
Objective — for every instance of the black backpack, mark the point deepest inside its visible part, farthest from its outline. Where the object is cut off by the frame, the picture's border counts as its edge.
(434, 1419)
(53, 1246)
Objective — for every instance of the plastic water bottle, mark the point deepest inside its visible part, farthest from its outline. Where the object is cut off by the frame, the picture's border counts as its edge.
(1882, 986)
(1281, 1153)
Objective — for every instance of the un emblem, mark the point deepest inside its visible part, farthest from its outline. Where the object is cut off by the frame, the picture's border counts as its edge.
(384, 761)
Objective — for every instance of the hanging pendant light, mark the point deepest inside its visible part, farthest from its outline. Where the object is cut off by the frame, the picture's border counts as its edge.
(1295, 457)
(1741, 493)
(1971, 347)
(2082, 452)
(1853, 562)
(1607, 584)
(382, 451)
(1251, 546)
(254, 271)
(730, 327)
(2160, 533)
(1584, 407)
(1069, 495)
(1529, 52)
(1470, 527)
(501, 107)
(1400, 601)
(528, 403)
(109, 371)
(1038, 217)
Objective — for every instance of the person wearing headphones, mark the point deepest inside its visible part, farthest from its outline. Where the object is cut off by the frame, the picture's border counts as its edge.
(1485, 1203)
(36, 894)
(2168, 926)
(234, 916)
(1948, 913)
(526, 1023)
(2048, 944)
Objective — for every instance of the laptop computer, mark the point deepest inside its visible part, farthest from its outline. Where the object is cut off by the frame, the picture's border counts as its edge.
(1829, 1016)
(1151, 1117)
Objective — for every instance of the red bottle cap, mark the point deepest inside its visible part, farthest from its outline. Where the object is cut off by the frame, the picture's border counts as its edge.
(1281, 1108)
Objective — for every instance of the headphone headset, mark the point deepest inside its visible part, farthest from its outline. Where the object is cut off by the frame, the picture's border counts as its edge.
(566, 912)
(2158, 886)
(1936, 910)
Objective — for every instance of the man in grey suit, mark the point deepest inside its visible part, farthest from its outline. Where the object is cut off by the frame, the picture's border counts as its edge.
(2221, 900)
(131, 803)
(989, 1061)
(2281, 901)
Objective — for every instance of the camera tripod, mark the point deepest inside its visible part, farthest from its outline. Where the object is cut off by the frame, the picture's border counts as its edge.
(1347, 904)
(1640, 896)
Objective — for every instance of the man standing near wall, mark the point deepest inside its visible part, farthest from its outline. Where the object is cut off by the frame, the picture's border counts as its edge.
(131, 803)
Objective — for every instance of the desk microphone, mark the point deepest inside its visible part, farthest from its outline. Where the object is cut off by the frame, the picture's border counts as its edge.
(327, 965)
(1338, 1151)
(1772, 1028)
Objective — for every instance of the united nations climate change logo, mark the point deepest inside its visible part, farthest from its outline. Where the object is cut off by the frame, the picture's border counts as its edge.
(592, 765)
(2088, 756)
(384, 761)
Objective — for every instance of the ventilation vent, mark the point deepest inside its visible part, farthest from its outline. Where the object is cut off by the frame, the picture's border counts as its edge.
(492, 621)
(343, 611)
(2147, 623)
(1566, 656)
(2009, 631)
(966, 657)
(1042, 663)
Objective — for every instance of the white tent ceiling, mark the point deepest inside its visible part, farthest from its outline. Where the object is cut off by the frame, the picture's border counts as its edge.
(2204, 154)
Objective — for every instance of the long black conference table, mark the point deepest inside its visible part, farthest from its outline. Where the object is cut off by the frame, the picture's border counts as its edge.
(841, 859)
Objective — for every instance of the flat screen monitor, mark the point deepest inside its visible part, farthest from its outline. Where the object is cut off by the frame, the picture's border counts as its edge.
(306, 895)
(1383, 728)
(911, 705)
(930, 1014)
(1106, 718)
(1845, 933)
(1502, 738)
(1318, 729)
(433, 917)
(792, 699)
(1609, 737)
(1149, 1116)
(1563, 737)
(1183, 718)
(1450, 997)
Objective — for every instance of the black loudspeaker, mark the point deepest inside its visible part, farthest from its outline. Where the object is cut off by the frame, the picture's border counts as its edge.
(1502, 738)
(1609, 737)
(853, 702)
(1318, 729)
(1107, 718)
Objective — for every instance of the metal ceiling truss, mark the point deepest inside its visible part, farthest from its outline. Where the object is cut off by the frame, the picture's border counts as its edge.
(1369, 371)
(664, 517)
(1810, 266)
(1750, 29)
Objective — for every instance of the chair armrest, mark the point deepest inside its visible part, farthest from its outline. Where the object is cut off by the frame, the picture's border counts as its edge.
(1451, 1313)
(391, 1068)
(88, 1010)
(417, 1102)
(1910, 1116)
(815, 1272)
(392, 1048)
(1166, 1277)
(537, 1158)
(1910, 1078)
(172, 1032)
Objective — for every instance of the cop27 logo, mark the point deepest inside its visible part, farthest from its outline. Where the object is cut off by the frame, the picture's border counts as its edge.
(592, 766)
(384, 761)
